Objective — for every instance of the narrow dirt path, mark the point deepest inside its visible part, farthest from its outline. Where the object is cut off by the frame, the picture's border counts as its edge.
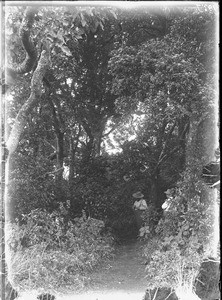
(123, 278)
(126, 272)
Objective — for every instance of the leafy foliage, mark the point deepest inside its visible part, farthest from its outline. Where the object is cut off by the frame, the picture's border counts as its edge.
(36, 188)
(185, 237)
(169, 270)
(186, 232)
(50, 253)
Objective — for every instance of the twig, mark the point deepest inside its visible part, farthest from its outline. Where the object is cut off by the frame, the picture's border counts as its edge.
(111, 130)
(55, 171)
(44, 140)
(216, 261)
(215, 184)
(154, 297)
(169, 295)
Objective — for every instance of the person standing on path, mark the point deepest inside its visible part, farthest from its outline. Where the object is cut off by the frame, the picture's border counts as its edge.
(139, 207)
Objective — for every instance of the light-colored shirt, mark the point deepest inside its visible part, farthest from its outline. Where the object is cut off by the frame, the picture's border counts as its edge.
(140, 204)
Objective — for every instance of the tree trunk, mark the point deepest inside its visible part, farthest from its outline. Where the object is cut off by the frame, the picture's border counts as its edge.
(59, 166)
(59, 155)
(73, 149)
(36, 91)
(13, 139)
(97, 144)
(157, 196)
(71, 164)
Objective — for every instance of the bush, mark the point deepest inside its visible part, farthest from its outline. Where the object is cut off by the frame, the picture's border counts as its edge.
(184, 237)
(28, 188)
(55, 255)
(172, 270)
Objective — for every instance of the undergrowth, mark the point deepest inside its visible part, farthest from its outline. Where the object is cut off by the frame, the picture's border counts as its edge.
(47, 253)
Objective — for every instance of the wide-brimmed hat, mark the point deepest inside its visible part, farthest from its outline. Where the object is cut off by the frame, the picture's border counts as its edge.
(138, 195)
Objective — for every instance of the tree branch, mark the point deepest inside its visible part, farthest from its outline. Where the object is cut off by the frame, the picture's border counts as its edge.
(111, 130)
(87, 128)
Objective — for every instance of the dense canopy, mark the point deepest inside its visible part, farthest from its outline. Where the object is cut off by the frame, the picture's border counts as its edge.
(103, 102)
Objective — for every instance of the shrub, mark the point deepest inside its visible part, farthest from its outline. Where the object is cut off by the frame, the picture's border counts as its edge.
(171, 269)
(185, 237)
(55, 255)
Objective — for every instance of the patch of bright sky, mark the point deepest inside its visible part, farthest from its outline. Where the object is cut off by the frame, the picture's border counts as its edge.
(133, 124)
(131, 128)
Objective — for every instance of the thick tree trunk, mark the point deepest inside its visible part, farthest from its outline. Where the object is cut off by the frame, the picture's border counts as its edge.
(36, 91)
(13, 139)
(23, 114)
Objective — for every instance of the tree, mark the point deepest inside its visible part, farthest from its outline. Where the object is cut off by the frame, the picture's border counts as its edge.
(187, 229)
(155, 78)
(13, 139)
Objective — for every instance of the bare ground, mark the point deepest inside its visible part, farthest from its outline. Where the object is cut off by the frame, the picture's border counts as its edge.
(125, 272)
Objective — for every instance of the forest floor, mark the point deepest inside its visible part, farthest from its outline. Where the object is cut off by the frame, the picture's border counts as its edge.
(125, 272)
(123, 277)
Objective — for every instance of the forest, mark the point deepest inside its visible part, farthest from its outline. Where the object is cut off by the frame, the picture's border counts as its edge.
(100, 103)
